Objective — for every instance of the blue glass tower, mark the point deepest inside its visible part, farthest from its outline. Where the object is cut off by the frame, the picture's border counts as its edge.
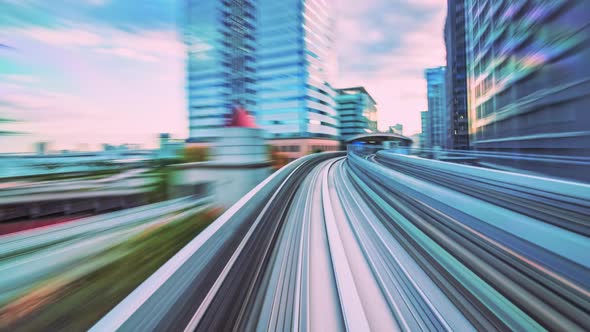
(220, 40)
(294, 65)
(439, 118)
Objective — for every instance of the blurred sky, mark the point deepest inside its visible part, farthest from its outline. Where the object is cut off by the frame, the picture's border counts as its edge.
(78, 73)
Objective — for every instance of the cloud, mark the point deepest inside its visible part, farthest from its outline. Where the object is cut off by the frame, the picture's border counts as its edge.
(19, 79)
(97, 2)
(62, 37)
(134, 15)
(43, 101)
(24, 101)
(158, 43)
(127, 53)
(144, 45)
(96, 69)
(124, 14)
(385, 45)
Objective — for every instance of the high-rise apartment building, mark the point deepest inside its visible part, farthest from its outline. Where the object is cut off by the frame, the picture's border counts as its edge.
(221, 70)
(456, 79)
(529, 76)
(438, 116)
(295, 59)
(357, 112)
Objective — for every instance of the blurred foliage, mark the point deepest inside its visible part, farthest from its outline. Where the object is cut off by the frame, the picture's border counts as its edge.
(195, 154)
(75, 304)
(163, 174)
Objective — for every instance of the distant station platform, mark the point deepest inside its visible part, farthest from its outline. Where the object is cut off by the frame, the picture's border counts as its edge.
(380, 138)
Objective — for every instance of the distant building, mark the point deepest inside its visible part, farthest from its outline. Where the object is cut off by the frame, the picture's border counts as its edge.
(397, 129)
(416, 141)
(108, 147)
(41, 148)
(221, 71)
(129, 147)
(164, 138)
(426, 130)
(357, 111)
(438, 117)
(456, 76)
(238, 162)
(295, 58)
(529, 76)
(170, 148)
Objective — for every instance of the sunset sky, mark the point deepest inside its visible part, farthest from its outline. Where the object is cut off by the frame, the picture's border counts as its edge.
(78, 73)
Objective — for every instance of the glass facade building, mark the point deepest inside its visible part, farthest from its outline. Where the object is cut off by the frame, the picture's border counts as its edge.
(425, 134)
(221, 67)
(438, 116)
(456, 80)
(529, 76)
(276, 58)
(357, 112)
(295, 59)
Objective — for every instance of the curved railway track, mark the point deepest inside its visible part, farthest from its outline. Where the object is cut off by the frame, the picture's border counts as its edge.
(349, 243)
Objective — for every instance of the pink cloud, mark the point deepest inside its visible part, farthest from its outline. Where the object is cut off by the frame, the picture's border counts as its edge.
(107, 101)
(63, 37)
(127, 53)
(97, 2)
(19, 79)
(162, 43)
(144, 46)
(397, 83)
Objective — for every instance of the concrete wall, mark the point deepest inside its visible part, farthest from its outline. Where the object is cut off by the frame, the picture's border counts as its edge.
(239, 161)
(239, 145)
(226, 184)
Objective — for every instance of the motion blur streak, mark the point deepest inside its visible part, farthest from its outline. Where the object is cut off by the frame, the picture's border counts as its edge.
(382, 242)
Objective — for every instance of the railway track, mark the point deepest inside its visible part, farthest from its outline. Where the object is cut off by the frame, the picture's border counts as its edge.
(350, 243)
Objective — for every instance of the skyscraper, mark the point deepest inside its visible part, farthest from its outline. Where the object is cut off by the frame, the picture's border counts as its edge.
(456, 83)
(438, 117)
(275, 58)
(357, 112)
(220, 40)
(529, 76)
(295, 60)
